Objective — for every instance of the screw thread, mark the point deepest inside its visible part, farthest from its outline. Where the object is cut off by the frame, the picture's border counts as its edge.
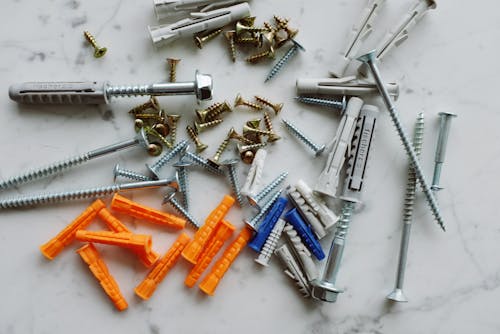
(270, 187)
(254, 222)
(345, 220)
(209, 124)
(222, 147)
(321, 102)
(129, 174)
(45, 171)
(169, 156)
(256, 57)
(212, 114)
(90, 39)
(184, 185)
(252, 147)
(152, 103)
(301, 136)
(282, 62)
(235, 184)
(232, 46)
(172, 69)
(129, 90)
(164, 141)
(173, 133)
(267, 122)
(202, 162)
(271, 242)
(178, 207)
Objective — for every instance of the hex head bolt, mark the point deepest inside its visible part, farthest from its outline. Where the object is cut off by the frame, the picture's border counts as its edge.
(444, 131)
(100, 92)
(50, 198)
(303, 138)
(60, 166)
(294, 49)
(397, 294)
(158, 165)
(261, 195)
(129, 174)
(369, 59)
(233, 179)
(170, 199)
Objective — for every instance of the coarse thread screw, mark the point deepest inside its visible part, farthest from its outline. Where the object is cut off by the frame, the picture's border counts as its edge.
(151, 104)
(232, 47)
(155, 168)
(259, 56)
(250, 130)
(213, 113)
(201, 40)
(256, 200)
(239, 101)
(200, 161)
(251, 147)
(444, 130)
(369, 59)
(194, 136)
(222, 147)
(233, 134)
(182, 174)
(233, 179)
(255, 221)
(173, 120)
(172, 64)
(275, 106)
(169, 198)
(335, 104)
(98, 51)
(271, 243)
(269, 126)
(418, 137)
(202, 114)
(302, 137)
(284, 60)
(242, 28)
(200, 127)
(150, 131)
(129, 174)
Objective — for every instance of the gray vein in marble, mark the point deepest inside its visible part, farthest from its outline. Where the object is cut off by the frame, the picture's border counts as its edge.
(112, 17)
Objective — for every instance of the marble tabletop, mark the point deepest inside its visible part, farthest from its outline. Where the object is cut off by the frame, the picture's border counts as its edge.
(447, 64)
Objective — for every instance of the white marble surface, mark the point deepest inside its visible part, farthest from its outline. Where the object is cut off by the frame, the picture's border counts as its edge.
(448, 64)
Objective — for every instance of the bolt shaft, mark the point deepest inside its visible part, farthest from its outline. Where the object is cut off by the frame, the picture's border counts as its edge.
(302, 137)
(444, 131)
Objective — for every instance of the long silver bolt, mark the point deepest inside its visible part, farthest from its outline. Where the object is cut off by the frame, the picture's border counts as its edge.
(369, 59)
(418, 137)
(303, 138)
(444, 131)
(256, 220)
(158, 165)
(60, 166)
(50, 198)
(233, 178)
(169, 198)
(200, 161)
(285, 59)
(129, 174)
(329, 103)
(256, 200)
(182, 173)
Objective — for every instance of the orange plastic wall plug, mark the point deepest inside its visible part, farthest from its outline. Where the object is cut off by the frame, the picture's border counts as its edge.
(115, 225)
(139, 242)
(55, 245)
(205, 232)
(148, 286)
(124, 205)
(210, 282)
(91, 256)
(223, 231)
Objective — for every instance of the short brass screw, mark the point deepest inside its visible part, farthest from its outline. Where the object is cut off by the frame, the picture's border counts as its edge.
(275, 106)
(200, 127)
(242, 28)
(153, 132)
(230, 35)
(202, 39)
(152, 117)
(257, 41)
(248, 21)
(269, 126)
(173, 121)
(235, 135)
(248, 129)
(98, 51)
(254, 123)
(172, 64)
(202, 113)
(151, 104)
(138, 125)
(239, 101)
(214, 161)
(262, 55)
(199, 145)
(251, 147)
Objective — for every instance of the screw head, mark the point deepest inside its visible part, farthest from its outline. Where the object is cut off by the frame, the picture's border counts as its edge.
(99, 52)
(447, 114)
(203, 86)
(155, 149)
(161, 129)
(298, 45)
(115, 172)
(320, 151)
(168, 196)
(143, 138)
(368, 57)
(325, 291)
(397, 295)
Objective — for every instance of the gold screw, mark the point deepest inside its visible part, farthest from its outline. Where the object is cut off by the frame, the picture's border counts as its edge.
(138, 125)
(172, 64)
(248, 129)
(251, 147)
(254, 123)
(239, 101)
(283, 24)
(200, 127)
(212, 114)
(232, 48)
(201, 39)
(151, 104)
(259, 56)
(247, 156)
(270, 34)
(173, 121)
(162, 129)
(154, 117)
(98, 51)
(203, 113)
(269, 126)
(276, 107)
(155, 149)
(235, 135)
(151, 131)
(248, 21)
(257, 41)
(199, 145)
(214, 161)
(241, 28)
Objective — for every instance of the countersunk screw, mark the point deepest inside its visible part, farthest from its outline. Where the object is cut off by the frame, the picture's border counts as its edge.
(418, 138)
(98, 51)
(233, 134)
(233, 178)
(283, 24)
(155, 168)
(170, 198)
(213, 113)
(214, 161)
(172, 64)
(242, 28)
(259, 56)
(275, 106)
(200, 127)
(200, 40)
(151, 131)
(182, 174)
(151, 104)
(230, 35)
(269, 126)
(254, 123)
(173, 120)
(369, 59)
(284, 60)
(444, 131)
(239, 101)
(335, 104)
(255, 200)
(129, 174)
(249, 129)
(251, 147)
(194, 136)
(300, 135)
(200, 161)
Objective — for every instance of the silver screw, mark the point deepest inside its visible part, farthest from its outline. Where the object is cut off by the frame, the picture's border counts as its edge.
(58, 167)
(233, 178)
(285, 59)
(302, 137)
(169, 198)
(369, 59)
(418, 137)
(255, 200)
(255, 221)
(444, 131)
(182, 173)
(155, 168)
(50, 198)
(200, 161)
(339, 105)
(129, 174)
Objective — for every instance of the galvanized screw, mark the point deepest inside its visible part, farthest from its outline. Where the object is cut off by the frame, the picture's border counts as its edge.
(200, 161)
(335, 104)
(194, 136)
(172, 64)
(129, 174)
(444, 131)
(256, 200)
(200, 40)
(369, 59)
(239, 101)
(98, 51)
(302, 137)
(182, 174)
(233, 178)
(155, 168)
(418, 136)
(255, 221)
(284, 60)
(169, 198)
